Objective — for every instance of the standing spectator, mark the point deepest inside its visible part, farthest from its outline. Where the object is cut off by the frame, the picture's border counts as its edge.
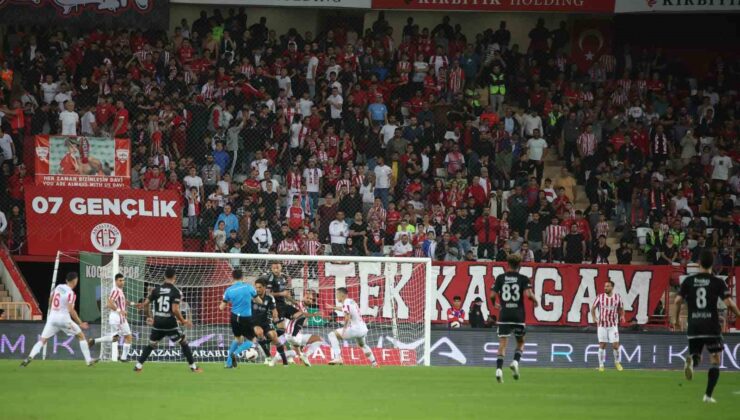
(537, 151)
(534, 232)
(587, 149)
(574, 246)
(447, 249)
(384, 181)
(624, 253)
(554, 235)
(193, 210)
(487, 231)
(721, 167)
(262, 237)
(456, 314)
(339, 232)
(475, 314)
(154, 180)
(230, 219)
(601, 252)
(120, 120)
(358, 231)
(211, 174)
(7, 148)
(70, 119)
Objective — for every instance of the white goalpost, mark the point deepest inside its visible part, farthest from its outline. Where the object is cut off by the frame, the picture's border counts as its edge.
(395, 296)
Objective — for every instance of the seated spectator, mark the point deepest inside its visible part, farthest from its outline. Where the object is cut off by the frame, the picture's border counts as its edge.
(624, 253)
(475, 314)
(403, 247)
(455, 314)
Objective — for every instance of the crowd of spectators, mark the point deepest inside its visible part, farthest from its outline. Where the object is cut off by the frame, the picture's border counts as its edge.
(423, 143)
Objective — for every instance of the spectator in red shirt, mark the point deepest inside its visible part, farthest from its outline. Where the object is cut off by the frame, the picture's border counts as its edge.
(120, 121)
(154, 180)
(486, 228)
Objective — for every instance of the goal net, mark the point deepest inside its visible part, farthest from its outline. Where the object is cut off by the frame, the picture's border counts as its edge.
(393, 294)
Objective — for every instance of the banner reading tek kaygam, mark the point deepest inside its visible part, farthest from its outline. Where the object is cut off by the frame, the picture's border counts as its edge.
(570, 6)
(101, 220)
(78, 161)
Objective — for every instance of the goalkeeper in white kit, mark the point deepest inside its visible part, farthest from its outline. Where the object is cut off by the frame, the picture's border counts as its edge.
(354, 328)
(117, 320)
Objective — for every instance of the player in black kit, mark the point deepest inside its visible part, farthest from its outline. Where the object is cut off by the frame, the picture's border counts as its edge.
(166, 300)
(263, 315)
(277, 284)
(511, 287)
(701, 292)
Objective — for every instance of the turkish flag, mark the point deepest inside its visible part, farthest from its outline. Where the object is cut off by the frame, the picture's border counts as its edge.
(590, 40)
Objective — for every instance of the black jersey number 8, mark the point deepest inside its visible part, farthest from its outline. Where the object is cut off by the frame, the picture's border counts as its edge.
(510, 292)
(163, 304)
(701, 298)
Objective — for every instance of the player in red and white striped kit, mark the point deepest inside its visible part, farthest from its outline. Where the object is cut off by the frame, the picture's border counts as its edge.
(611, 313)
(117, 320)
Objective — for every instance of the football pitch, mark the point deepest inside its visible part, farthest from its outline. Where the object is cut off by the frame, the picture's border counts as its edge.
(70, 390)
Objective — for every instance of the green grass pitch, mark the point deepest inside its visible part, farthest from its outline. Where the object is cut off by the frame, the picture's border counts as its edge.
(69, 390)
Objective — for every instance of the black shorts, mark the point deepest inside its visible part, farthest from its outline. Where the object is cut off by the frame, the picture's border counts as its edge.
(174, 334)
(505, 330)
(266, 327)
(286, 311)
(713, 344)
(241, 326)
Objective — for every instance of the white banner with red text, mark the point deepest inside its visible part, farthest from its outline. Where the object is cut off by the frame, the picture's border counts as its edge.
(568, 6)
(98, 220)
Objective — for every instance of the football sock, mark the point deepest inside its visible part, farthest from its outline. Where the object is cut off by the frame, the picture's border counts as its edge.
(104, 339)
(85, 350)
(35, 350)
(616, 356)
(696, 359)
(243, 346)
(712, 378)
(499, 362)
(312, 348)
(369, 354)
(289, 354)
(281, 351)
(114, 351)
(517, 355)
(126, 349)
(145, 354)
(265, 345)
(602, 357)
(187, 352)
(336, 352)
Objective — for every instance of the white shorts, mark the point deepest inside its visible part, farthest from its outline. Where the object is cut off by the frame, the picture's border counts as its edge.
(60, 324)
(608, 334)
(358, 331)
(119, 325)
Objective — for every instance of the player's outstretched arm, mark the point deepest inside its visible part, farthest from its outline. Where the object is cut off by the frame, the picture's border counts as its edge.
(677, 317)
(593, 311)
(222, 305)
(181, 319)
(532, 297)
(494, 300)
(75, 317)
(731, 306)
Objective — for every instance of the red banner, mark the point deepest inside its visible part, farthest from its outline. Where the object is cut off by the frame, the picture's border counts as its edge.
(93, 219)
(69, 161)
(565, 291)
(570, 6)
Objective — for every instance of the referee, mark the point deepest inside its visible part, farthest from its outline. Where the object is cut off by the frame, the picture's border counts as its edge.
(240, 295)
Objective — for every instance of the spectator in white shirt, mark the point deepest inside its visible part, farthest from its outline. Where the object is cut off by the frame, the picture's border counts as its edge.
(383, 180)
(338, 232)
(403, 247)
(537, 150)
(262, 237)
(193, 180)
(260, 164)
(721, 166)
(7, 148)
(63, 96)
(531, 122)
(70, 119)
(335, 101)
(389, 130)
(3, 223)
(49, 88)
(88, 126)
